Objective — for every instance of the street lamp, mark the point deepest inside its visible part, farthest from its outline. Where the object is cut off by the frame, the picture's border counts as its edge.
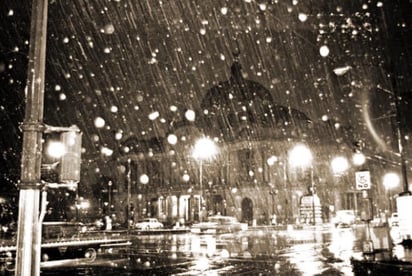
(109, 184)
(390, 181)
(271, 161)
(358, 159)
(204, 149)
(82, 205)
(301, 156)
(130, 219)
(339, 165)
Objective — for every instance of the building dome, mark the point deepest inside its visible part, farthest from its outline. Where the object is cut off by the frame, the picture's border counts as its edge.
(239, 108)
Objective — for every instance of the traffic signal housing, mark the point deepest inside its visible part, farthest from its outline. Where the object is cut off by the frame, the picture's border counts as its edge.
(70, 161)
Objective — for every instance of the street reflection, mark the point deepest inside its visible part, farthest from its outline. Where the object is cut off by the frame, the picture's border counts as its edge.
(342, 243)
(402, 253)
(203, 246)
(304, 250)
(295, 252)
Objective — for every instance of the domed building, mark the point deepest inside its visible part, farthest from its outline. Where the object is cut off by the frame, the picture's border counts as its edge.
(240, 109)
(252, 175)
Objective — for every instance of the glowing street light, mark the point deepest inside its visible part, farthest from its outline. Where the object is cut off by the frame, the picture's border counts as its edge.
(358, 159)
(301, 156)
(390, 181)
(204, 149)
(339, 165)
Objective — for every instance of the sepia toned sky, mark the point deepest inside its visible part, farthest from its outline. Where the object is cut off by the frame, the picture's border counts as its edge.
(124, 68)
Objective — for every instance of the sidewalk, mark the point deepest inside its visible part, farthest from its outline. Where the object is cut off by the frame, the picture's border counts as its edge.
(291, 227)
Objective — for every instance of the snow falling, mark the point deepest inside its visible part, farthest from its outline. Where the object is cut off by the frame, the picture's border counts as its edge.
(118, 69)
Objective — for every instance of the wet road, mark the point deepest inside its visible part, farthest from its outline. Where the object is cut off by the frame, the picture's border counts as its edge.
(322, 251)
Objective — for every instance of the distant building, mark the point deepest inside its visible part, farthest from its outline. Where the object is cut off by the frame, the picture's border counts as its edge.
(251, 177)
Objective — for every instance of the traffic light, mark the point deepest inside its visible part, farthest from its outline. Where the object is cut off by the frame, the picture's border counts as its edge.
(366, 212)
(358, 146)
(70, 161)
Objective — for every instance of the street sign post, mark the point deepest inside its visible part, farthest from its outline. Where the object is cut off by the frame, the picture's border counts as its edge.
(363, 180)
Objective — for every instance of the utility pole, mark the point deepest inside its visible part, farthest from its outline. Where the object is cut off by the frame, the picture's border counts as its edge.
(399, 133)
(28, 236)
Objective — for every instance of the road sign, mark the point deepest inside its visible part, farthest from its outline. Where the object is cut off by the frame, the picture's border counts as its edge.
(363, 180)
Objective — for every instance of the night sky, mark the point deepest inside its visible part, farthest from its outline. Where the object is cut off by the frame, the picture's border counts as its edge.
(112, 66)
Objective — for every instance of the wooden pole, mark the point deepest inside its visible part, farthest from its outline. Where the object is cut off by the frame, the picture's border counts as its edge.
(28, 236)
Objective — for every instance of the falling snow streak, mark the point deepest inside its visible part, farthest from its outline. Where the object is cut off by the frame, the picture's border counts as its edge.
(123, 60)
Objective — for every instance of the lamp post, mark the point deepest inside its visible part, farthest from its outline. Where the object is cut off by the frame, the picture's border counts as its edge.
(82, 205)
(390, 181)
(340, 165)
(109, 184)
(129, 184)
(301, 156)
(359, 159)
(204, 149)
(271, 161)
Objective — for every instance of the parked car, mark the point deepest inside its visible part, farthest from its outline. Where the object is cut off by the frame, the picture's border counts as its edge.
(148, 223)
(62, 229)
(394, 220)
(344, 216)
(218, 224)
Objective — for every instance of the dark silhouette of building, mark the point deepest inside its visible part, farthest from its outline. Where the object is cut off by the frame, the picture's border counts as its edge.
(251, 177)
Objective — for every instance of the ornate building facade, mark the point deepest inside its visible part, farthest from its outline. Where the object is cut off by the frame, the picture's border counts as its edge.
(251, 177)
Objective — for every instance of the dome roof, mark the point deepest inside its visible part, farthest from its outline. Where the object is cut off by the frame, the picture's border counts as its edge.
(239, 107)
(236, 90)
(238, 110)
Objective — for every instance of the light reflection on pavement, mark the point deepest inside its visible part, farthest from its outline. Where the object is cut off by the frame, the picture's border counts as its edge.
(263, 252)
